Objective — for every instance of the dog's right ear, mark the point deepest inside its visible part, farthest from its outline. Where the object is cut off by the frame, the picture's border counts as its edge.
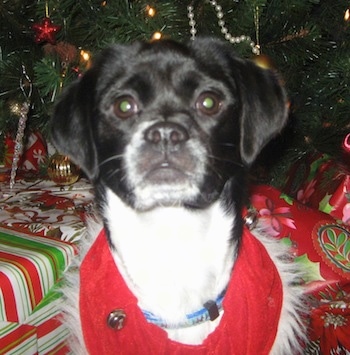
(71, 130)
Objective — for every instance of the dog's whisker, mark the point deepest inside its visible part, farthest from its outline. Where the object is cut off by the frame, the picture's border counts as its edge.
(212, 168)
(234, 162)
(113, 157)
(227, 144)
(113, 172)
(123, 177)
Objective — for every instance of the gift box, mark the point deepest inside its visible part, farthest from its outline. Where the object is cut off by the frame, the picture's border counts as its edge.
(42, 333)
(17, 338)
(30, 304)
(321, 183)
(321, 245)
(43, 208)
(33, 155)
(30, 267)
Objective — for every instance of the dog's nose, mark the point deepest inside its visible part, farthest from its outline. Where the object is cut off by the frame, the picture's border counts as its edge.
(166, 133)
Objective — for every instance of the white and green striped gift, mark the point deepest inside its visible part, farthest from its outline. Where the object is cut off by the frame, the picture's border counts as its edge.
(30, 269)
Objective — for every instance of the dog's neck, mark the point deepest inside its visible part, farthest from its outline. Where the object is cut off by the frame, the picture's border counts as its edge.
(173, 259)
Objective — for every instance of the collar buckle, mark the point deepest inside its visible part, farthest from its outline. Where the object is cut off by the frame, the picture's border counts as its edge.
(210, 311)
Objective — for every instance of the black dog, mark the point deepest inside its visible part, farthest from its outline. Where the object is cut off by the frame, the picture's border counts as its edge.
(166, 132)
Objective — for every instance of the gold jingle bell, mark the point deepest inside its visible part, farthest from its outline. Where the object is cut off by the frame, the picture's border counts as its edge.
(62, 170)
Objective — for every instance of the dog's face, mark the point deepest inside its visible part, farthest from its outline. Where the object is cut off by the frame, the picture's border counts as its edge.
(164, 124)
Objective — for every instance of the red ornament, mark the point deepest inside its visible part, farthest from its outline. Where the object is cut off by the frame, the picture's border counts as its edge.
(45, 31)
(346, 152)
(346, 143)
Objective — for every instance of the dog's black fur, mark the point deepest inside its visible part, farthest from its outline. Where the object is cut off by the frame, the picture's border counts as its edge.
(164, 124)
(253, 110)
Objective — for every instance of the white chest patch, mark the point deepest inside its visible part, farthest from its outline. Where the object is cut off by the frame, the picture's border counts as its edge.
(173, 259)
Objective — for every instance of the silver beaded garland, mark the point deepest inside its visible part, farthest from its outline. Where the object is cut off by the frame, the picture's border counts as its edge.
(191, 21)
(224, 30)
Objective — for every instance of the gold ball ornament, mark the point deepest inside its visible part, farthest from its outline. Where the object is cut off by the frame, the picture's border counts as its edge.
(62, 170)
(265, 62)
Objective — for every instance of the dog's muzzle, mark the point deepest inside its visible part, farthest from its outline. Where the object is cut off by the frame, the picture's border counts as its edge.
(169, 161)
(167, 155)
(165, 163)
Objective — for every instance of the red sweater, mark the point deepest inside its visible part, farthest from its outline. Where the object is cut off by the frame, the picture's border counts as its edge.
(252, 307)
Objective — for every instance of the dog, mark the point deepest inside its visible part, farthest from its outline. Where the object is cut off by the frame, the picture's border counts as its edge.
(167, 132)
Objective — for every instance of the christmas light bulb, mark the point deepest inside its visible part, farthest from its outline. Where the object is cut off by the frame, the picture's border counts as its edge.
(150, 11)
(347, 15)
(85, 55)
(156, 36)
(15, 107)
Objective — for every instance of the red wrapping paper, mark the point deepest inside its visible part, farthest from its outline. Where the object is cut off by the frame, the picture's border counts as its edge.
(321, 183)
(321, 244)
(340, 201)
(33, 155)
(311, 232)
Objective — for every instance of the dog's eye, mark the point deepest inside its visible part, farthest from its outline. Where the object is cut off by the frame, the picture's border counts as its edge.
(208, 103)
(125, 106)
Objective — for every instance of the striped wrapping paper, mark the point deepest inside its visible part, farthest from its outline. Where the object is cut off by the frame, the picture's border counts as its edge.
(42, 333)
(29, 267)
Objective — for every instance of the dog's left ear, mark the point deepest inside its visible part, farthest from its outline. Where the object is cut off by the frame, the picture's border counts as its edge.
(264, 108)
(262, 97)
(71, 130)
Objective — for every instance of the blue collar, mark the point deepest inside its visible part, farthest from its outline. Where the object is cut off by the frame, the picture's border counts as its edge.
(210, 311)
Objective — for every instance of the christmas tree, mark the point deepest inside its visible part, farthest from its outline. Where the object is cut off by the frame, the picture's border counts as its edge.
(46, 44)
